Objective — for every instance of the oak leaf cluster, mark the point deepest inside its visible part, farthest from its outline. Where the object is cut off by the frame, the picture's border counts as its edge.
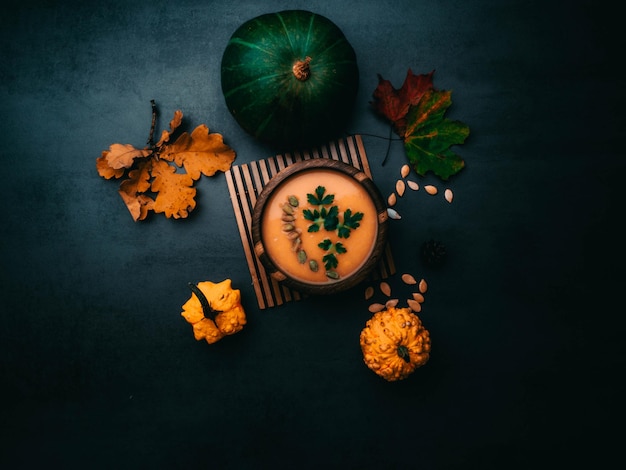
(161, 176)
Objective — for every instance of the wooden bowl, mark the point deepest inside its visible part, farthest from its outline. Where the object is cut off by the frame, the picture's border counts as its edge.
(292, 237)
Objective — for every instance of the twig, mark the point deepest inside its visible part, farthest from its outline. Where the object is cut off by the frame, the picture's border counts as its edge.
(153, 125)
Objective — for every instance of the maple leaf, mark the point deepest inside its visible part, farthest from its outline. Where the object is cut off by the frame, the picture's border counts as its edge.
(394, 104)
(152, 183)
(416, 112)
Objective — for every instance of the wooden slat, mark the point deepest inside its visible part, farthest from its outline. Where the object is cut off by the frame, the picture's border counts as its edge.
(247, 247)
(245, 182)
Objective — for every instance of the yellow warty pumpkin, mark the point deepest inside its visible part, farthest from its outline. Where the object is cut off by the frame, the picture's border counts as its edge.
(214, 310)
(395, 343)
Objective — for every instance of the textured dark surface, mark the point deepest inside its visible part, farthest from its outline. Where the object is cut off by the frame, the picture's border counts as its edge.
(99, 370)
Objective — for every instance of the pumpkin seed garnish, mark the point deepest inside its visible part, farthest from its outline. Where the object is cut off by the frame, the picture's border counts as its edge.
(332, 274)
(301, 256)
(313, 265)
(287, 218)
(293, 235)
(288, 227)
(295, 246)
(288, 209)
(293, 201)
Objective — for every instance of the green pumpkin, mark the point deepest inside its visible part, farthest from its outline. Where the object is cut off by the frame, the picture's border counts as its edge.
(290, 78)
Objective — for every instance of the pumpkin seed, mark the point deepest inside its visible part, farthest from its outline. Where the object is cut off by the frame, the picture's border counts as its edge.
(423, 286)
(430, 189)
(400, 188)
(413, 185)
(408, 279)
(287, 209)
(301, 256)
(418, 297)
(332, 274)
(391, 303)
(449, 195)
(369, 293)
(391, 200)
(293, 201)
(385, 288)
(287, 217)
(313, 265)
(404, 171)
(293, 234)
(374, 308)
(295, 246)
(393, 214)
(288, 227)
(414, 305)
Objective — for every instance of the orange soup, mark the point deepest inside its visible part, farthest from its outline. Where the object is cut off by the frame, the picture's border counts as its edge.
(295, 249)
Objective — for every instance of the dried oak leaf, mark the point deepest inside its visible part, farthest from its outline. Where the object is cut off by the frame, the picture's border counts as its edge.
(200, 153)
(174, 123)
(176, 192)
(105, 170)
(124, 155)
(152, 183)
(133, 189)
(416, 111)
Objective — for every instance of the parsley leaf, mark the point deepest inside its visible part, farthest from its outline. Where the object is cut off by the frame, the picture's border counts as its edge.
(331, 218)
(350, 221)
(325, 245)
(330, 261)
(315, 217)
(319, 199)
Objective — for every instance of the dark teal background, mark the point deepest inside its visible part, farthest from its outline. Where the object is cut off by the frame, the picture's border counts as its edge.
(99, 370)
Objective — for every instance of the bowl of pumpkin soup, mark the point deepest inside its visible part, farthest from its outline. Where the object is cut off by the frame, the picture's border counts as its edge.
(319, 226)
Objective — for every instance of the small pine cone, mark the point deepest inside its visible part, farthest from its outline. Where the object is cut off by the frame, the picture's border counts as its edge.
(433, 253)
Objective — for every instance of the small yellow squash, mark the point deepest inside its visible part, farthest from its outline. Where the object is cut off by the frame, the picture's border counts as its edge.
(214, 310)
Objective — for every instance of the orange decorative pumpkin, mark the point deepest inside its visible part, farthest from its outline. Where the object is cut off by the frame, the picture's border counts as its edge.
(395, 343)
(214, 310)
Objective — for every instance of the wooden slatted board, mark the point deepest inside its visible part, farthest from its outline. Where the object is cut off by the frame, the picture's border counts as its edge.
(245, 183)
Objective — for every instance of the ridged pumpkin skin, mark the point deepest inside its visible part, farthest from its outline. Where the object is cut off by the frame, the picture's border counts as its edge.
(262, 91)
(395, 343)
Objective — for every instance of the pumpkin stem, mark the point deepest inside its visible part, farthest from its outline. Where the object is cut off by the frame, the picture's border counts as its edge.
(301, 69)
(206, 305)
(403, 352)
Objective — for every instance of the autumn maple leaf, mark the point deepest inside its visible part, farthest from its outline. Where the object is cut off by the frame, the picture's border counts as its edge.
(416, 112)
(153, 183)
